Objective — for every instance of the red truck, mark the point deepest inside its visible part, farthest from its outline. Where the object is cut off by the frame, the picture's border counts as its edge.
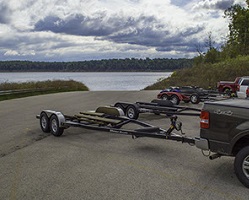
(228, 86)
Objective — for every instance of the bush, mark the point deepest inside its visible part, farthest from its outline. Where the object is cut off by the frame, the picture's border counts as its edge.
(206, 75)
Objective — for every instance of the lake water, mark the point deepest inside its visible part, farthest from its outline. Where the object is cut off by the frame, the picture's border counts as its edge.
(95, 81)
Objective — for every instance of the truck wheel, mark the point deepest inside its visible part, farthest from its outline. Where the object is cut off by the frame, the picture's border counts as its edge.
(56, 130)
(44, 122)
(132, 111)
(165, 97)
(195, 99)
(241, 166)
(175, 99)
(227, 91)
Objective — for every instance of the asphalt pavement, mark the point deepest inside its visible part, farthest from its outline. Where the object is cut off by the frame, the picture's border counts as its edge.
(86, 164)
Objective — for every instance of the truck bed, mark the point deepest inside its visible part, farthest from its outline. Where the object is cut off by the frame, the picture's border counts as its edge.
(232, 102)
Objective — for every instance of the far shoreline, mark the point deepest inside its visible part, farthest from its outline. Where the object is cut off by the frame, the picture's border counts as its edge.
(167, 71)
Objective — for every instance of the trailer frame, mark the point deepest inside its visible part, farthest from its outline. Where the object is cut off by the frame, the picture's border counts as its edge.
(156, 106)
(113, 122)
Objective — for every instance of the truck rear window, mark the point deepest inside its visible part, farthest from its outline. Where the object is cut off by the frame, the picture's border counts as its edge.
(245, 82)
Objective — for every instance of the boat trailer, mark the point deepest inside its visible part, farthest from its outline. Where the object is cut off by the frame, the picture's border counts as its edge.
(156, 106)
(112, 119)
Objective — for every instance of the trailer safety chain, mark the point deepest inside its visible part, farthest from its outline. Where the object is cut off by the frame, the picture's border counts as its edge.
(206, 155)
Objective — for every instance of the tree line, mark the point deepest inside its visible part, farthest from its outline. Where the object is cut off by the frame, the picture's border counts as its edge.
(117, 65)
(237, 41)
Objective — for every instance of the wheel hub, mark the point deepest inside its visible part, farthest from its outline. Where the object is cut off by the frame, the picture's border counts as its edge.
(43, 122)
(193, 98)
(131, 113)
(54, 126)
(245, 166)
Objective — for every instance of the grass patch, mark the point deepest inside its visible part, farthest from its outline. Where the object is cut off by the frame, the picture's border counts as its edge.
(18, 90)
(206, 75)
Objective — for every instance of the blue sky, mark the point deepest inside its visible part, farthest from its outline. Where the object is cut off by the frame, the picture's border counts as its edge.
(74, 30)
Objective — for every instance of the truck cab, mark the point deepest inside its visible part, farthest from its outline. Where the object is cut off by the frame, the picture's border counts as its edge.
(243, 87)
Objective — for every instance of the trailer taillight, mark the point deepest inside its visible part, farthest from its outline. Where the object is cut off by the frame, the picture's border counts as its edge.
(204, 119)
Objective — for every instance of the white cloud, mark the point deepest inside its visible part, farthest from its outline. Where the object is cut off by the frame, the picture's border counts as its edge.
(83, 29)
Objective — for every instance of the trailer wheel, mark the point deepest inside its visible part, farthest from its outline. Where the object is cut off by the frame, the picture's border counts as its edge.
(165, 97)
(132, 111)
(119, 105)
(44, 122)
(175, 99)
(195, 99)
(241, 166)
(56, 130)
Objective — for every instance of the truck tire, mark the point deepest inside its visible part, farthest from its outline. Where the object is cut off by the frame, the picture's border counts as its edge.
(195, 99)
(227, 91)
(44, 122)
(241, 166)
(132, 111)
(175, 99)
(55, 129)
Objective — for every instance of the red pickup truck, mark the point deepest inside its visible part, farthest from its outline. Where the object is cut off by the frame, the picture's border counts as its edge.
(228, 86)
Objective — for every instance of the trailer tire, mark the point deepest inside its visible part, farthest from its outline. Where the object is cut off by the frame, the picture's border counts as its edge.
(55, 129)
(195, 99)
(44, 122)
(165, 97)
(132, 111)
(119, 105)
(241, 166)
(175, 99)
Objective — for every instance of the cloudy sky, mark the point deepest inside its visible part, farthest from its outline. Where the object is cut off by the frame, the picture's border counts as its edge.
(74, 30)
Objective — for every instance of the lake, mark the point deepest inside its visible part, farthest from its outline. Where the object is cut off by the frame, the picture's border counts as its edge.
(95, 81)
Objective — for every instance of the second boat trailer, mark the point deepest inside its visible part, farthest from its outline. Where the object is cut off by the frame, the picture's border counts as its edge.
(156, 106)
(112, 119)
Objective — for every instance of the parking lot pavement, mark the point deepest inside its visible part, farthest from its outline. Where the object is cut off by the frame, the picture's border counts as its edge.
(88, 164)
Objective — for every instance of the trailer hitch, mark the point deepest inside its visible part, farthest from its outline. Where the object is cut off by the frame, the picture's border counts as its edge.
(177, 125)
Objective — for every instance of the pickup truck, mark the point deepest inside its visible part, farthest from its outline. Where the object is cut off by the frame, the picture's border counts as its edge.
(225, 132)
(242, 88)
(228, 86)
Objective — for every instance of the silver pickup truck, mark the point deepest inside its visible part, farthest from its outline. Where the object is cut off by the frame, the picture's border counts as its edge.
(225, 132)
(243, 87)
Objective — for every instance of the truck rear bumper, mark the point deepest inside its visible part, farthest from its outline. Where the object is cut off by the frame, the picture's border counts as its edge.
(213, 146)
(202, 143)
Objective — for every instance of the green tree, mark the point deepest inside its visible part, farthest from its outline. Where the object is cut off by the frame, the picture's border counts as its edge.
(239, 29)
(212, 56)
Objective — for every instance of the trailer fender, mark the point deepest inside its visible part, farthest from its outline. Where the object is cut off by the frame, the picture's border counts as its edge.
(60, 116)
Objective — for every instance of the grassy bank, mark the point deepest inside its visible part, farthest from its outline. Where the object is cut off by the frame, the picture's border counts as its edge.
(17, 90)
(206, 75)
